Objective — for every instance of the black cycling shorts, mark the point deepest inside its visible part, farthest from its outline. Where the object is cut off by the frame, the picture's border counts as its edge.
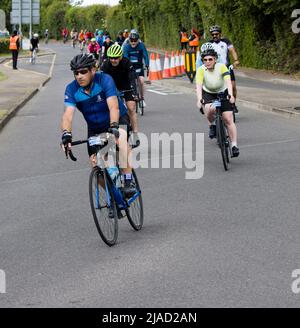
(128, 96)
(210, 97)
(139, 71)
(124, 120)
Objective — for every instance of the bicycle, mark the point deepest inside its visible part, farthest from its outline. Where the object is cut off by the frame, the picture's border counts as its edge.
(222, 133)
(33, 56)
(139, 102)
(107, 200)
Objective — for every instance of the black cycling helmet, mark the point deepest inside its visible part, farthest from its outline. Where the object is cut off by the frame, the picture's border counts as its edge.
(134, 35)
(82, 61)
(215, 28)
(209, 52)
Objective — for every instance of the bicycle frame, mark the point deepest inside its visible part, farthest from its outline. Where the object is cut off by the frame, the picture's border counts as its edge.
(100, 142)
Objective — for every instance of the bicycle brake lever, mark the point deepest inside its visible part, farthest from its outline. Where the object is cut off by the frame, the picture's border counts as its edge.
(72, 157)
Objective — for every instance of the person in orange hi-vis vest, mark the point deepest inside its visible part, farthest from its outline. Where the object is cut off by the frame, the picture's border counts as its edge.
(194, 39)
(183, 37)
(14, 46)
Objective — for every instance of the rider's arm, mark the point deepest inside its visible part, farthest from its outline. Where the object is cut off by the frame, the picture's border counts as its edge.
(226, 76)
(145, 54)
(70, 105)
(199, 84)
(131, 76)
(234, 56)
(67, 118)
(113, 106)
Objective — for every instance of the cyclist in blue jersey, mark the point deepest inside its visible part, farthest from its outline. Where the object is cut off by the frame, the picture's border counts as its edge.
(95, 95)
(136, 52)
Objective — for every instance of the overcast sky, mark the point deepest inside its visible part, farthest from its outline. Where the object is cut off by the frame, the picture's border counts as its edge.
(105, 2)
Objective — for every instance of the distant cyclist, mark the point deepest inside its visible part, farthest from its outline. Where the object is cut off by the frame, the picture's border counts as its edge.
(136, 52)
(95, 95)
(224, 48)
(106, 44)
(74, 36)
(94, 48)
(34, 45)
(213, 78)
(46, 36)
(123, 73)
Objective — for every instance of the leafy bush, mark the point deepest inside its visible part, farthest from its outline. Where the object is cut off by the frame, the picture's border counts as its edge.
(4, 45)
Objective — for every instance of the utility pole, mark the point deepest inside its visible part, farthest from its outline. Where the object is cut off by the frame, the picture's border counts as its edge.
(20, 17)
(30, 17)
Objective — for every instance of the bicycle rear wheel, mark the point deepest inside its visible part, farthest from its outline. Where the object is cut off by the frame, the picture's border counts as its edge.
(221, 137)
(103, 206)
(135, 212)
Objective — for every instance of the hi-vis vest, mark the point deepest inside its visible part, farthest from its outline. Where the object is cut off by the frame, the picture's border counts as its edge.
(13, 43)
(184, 37)
(194, 42)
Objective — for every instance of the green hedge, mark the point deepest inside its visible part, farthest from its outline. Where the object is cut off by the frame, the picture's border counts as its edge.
(4, 45)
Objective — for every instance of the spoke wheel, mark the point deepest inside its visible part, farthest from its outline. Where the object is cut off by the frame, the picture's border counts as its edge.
(222, 142)
(135, 212)
(105, 216)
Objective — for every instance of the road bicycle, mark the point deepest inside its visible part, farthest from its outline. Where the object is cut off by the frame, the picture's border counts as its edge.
(107, 200)
(223, 139)
(139, 102)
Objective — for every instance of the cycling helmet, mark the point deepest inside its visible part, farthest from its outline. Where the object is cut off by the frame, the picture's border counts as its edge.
(209, 52)
(134, 34)
(82, 61)
(114, 51)
(215, 28)
(206, 46)
(93, 40)
(35, 35)
(125, 30)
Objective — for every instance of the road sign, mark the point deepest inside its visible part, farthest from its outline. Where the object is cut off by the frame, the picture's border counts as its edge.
(29, 10)
(190, 65)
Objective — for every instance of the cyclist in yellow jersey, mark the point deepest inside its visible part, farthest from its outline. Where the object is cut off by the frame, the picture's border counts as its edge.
(213, 78)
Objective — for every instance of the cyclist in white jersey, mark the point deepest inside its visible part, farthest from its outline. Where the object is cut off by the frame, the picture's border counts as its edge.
(224, 48)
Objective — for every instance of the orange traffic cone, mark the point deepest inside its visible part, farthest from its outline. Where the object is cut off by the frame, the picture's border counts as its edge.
(177, 64)
(158, 66)
(173, 67)
(153, 75)
(166, 71)
(182, 63)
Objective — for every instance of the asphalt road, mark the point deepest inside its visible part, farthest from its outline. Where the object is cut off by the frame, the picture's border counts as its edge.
(228, 239)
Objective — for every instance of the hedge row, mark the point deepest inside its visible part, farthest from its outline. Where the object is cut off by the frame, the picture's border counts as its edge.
(4, 45)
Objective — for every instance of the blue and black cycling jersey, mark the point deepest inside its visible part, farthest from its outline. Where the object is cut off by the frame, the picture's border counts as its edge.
(136, 55)
(94, 106)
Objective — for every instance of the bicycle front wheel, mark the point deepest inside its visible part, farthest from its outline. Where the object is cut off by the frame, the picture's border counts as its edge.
(103, 206)
(135, 212)
(222, 142)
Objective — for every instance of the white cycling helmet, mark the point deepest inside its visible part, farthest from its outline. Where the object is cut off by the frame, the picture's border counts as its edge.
(35, 35)
(206, 46)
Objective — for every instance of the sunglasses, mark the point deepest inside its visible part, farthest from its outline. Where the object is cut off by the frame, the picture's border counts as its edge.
(215, 34)
(114, 58)
(208, 60)
(133, 40)
(82, 72)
